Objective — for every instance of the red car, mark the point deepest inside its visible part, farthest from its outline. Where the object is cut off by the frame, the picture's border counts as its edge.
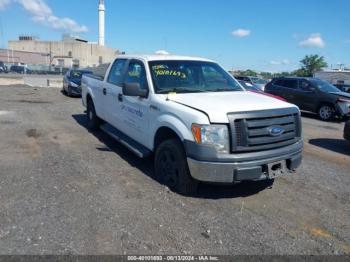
(254, 89)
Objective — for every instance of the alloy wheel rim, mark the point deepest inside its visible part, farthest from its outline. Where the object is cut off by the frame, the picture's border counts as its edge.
(325, 112)
(169, 168)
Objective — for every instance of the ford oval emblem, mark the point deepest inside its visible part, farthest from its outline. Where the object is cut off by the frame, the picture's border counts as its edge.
(275, 130)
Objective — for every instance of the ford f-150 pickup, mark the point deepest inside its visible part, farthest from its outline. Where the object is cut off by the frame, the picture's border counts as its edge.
(195, 119)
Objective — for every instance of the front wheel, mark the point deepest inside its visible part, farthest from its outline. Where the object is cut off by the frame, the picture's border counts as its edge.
(326, 112)
(93, 120)
(171, 167)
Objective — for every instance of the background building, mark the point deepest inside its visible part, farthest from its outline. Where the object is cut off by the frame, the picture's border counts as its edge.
(335, 76)
(70, 52)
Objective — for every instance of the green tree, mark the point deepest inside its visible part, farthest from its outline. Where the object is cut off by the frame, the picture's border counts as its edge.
(310, 65)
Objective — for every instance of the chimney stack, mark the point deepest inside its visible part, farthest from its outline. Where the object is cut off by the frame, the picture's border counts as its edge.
(101, 23)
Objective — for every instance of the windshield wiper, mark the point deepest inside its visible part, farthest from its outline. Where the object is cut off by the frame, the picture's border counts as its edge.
(180, 90)
(224, 90)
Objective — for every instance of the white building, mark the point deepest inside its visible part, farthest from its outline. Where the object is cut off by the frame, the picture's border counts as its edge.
(334, 76)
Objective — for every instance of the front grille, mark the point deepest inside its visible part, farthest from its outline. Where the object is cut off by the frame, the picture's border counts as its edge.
(250, 131)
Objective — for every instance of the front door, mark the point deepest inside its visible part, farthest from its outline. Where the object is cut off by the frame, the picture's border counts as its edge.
(135, 110)
(306, 96)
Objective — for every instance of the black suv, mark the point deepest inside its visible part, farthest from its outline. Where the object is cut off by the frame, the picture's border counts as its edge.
(312, 94)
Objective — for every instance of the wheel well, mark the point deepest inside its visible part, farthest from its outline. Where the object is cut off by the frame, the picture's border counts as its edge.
(88, 99)
(164, 133)
(325, 103)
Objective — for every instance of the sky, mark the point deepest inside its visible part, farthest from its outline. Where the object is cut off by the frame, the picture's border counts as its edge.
(265, 35)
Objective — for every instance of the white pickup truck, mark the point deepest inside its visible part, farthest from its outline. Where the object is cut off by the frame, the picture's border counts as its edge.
(195, 119)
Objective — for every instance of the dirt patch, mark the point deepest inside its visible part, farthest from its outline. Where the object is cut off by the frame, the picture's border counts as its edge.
(10, 82)
(329, 127)
(7, 122)
(32, 147)
(30, 101)
(62, 138)
(32, 133)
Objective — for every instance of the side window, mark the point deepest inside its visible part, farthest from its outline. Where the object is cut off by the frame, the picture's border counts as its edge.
(279, 82)
(305, 86)
(137, 74)
(116, 74)
(289, 83)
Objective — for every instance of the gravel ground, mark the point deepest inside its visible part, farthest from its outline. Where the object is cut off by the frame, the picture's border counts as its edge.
(64, 190)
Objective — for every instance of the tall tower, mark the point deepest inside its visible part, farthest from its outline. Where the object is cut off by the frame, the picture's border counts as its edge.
(101, 22)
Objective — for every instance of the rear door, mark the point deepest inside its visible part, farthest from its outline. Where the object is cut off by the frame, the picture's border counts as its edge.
(111, 92)
(288, 90)
(277, 88)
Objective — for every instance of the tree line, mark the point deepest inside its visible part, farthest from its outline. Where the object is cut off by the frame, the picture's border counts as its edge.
(309, 65)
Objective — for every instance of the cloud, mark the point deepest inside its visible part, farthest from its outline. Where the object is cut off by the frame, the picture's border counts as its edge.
(347, 41)
(43, 14)
(4, 3)
(282, 62)
(241, 33)
(314, 40)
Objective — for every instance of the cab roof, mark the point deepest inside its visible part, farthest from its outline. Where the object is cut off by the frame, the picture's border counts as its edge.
(161, 57)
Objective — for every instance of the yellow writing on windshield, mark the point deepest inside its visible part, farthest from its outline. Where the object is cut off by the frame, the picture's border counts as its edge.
(170, 73)
(157, 67)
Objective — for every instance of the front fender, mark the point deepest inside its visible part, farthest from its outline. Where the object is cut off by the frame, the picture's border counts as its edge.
(175, 124)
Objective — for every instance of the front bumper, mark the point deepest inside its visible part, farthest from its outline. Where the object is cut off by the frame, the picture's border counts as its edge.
(75, 90)
(343, 108)
(243, 167)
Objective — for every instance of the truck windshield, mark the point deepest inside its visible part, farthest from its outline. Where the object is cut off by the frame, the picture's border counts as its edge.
(190, 77)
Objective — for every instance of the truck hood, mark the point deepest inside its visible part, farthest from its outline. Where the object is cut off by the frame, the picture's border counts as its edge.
(218, 105)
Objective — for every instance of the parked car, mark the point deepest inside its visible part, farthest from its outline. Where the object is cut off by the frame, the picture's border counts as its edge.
(261, 83)
(347, 131)
(20, 69)
(196, 119)
(252, 88)
(72, 81)
(3, 68)
(312, 94)
(343, 87)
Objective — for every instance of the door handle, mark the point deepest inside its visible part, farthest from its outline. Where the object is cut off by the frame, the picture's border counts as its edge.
(120, 97)
(104, 91)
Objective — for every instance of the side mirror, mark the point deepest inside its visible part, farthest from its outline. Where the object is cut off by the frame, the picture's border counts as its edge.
(312, 89)
(134, 89)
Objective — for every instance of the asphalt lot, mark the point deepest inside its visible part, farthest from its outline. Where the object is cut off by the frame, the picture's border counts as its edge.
(64, 190)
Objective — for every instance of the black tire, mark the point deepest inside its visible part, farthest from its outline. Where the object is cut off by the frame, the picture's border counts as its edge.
(326, 112)
(69, 92)
(94, 121)
(171, 167)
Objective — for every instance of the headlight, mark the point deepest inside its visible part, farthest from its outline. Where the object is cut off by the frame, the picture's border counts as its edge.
(344, 100)
(73, 84)
(214, 135)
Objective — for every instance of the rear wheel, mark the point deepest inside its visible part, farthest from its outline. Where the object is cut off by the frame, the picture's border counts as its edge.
(93, 120)
(171, 167)
(326, 112)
